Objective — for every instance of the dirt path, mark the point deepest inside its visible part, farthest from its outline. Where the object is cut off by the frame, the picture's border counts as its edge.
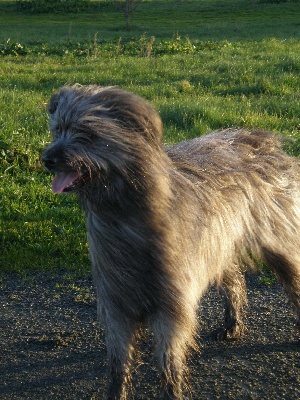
(52, 348)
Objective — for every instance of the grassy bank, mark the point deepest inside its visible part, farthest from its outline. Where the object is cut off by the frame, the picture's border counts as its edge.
(199, 80)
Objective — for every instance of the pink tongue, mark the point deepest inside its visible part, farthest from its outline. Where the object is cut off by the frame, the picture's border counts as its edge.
(61, 181)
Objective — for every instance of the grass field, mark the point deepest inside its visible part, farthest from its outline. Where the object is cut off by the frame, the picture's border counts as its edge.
(204, 64)
(198, 19)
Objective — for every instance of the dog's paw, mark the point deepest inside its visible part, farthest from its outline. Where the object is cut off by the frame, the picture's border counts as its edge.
(224, 333)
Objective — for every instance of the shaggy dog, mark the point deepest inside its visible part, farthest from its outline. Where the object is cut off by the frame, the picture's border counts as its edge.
(164, 224)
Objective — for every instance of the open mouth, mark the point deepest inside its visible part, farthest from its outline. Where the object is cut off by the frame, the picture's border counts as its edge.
(65, 182)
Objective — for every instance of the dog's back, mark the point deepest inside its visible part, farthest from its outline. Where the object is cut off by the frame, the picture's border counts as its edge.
(234, 151)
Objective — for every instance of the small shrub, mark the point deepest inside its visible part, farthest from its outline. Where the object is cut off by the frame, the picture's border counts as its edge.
(54, 6)
(185, 86)
(12, 48)
(176, 45)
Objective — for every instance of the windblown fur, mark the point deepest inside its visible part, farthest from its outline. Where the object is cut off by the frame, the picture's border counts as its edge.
(164, 224)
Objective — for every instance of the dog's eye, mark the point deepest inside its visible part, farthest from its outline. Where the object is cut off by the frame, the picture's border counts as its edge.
(56, 132)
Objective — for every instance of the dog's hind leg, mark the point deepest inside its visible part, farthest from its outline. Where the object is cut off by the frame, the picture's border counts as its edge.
(287, 269)
(120, 341)
(233, 287)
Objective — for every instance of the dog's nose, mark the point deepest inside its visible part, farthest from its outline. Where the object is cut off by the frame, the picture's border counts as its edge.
(49, 162)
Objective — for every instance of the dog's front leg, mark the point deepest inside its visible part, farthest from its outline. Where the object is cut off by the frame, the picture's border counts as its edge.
(120, 338)
(171, 348)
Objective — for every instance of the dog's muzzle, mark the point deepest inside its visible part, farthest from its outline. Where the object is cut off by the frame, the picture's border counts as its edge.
(49, 162)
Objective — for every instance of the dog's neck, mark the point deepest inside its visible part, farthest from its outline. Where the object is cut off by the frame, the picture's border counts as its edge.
(143, 190)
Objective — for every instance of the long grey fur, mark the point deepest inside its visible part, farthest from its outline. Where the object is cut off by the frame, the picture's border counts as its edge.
(166, 223)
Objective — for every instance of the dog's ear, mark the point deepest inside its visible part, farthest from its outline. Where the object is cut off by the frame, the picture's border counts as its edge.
(53, 103)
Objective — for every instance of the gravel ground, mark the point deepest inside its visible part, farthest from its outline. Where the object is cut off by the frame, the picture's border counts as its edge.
(52, 347)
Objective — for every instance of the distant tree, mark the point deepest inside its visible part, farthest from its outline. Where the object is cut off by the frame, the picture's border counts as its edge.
(127, 8)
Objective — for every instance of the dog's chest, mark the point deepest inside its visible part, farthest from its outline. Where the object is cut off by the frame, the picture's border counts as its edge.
(118, 246)
(124, 267)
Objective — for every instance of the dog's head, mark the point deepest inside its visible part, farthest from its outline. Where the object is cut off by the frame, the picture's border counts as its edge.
(97, 133)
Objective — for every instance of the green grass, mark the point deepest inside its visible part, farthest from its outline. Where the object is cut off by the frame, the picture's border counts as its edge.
(203, 64)
(205, 19)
